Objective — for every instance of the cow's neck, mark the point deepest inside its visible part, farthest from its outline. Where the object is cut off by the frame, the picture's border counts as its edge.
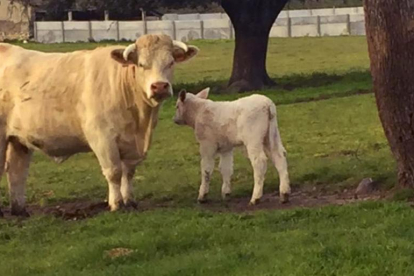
(144, 113)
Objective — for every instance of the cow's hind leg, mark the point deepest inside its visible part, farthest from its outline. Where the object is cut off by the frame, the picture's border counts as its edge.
(18, 161)
(226, 169)
(258, 160)
(3, 148)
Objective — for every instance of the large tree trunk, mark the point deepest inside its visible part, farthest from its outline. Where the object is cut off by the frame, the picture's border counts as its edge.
(252, 21)
(390, 35)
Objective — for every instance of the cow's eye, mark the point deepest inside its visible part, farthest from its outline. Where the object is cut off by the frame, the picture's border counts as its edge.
(141, 65)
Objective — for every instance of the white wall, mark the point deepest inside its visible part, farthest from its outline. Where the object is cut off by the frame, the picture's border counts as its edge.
(321, 22)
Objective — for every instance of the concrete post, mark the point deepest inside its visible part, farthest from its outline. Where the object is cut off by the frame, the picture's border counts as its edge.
(90, 30)
(117, 31)
(348, 23)
(318, 26)
(70, 18)
(106, 16)
(231, 30)
(202, 29)
(289, 27)
(174, 30)
(144, 19)
(35, 31)
(63, 31)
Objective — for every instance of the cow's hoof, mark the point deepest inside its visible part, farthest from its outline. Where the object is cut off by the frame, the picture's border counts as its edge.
(284, 198)
(117, 206)
(19, 212)
(202, 199)
(130, 205)
(254, 202)
(225, 196)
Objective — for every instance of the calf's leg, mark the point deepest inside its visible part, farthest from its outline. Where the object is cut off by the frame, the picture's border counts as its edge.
(278, 155)
(258, 160)
(207, 152)
(226, 169)
(18, 161)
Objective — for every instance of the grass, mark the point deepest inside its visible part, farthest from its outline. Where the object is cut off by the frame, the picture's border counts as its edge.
(333, 138)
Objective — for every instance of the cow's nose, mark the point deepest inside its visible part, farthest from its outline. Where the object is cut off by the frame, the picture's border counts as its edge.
(159, 87)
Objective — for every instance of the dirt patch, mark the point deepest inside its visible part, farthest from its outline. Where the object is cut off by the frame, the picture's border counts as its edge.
(303, 198)
(118, 252)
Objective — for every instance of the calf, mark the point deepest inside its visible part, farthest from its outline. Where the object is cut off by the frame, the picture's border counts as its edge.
(221, 126)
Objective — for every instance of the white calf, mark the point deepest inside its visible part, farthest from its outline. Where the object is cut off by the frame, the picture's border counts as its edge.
(221, 126)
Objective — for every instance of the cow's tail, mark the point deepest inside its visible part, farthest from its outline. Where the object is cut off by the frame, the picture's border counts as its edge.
(275, 141)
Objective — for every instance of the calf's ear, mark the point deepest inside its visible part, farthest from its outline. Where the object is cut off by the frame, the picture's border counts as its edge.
(203, 94)
(182, 95)
(183, 52)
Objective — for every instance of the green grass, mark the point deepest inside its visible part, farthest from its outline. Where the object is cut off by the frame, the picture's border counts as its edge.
(333, 138)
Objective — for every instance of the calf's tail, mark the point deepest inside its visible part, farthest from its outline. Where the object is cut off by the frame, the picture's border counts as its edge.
(275, 141)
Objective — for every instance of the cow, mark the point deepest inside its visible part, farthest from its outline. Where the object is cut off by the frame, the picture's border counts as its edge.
(104, 100)
(220, 126)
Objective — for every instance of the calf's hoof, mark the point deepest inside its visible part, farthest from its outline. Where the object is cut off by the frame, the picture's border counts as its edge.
(284, 198)
(19, 211)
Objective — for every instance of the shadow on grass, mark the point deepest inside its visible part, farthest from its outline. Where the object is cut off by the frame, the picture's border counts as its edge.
(284, 83)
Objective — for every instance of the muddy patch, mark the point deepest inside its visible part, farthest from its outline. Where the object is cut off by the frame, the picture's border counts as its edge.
(303, 198)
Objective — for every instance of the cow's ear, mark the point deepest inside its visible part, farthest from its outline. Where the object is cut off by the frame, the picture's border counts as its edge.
(182, 95)
(118, 55)
(203, 94)
(181, 54)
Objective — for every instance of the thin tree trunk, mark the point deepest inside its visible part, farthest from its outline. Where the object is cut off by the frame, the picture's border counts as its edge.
(390, 35)
(252, 21)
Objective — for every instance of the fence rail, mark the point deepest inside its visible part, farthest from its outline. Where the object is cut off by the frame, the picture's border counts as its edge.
(217, 28)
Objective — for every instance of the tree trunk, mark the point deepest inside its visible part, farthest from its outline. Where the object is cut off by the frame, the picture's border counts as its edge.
(252, 21)
(390, 35)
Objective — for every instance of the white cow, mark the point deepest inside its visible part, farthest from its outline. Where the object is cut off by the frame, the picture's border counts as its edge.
(104, 100)
(221, 126)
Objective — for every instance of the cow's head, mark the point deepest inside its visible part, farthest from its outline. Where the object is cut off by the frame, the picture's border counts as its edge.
(152, 58)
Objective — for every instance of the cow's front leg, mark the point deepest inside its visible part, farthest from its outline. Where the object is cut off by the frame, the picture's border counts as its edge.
(128, 171)
(207, 152)
(18, 161)
(109, 159)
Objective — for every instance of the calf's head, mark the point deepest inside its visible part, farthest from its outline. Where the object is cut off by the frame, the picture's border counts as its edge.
(186, 106)
(152, 59)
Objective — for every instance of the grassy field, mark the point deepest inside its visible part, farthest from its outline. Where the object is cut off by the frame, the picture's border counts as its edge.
(330, 128)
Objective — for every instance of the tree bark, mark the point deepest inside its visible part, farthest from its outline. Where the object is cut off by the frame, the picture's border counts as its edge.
(390, 35)
(252, 21)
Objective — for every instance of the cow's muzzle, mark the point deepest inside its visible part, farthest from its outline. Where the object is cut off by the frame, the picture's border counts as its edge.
(160, 90)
